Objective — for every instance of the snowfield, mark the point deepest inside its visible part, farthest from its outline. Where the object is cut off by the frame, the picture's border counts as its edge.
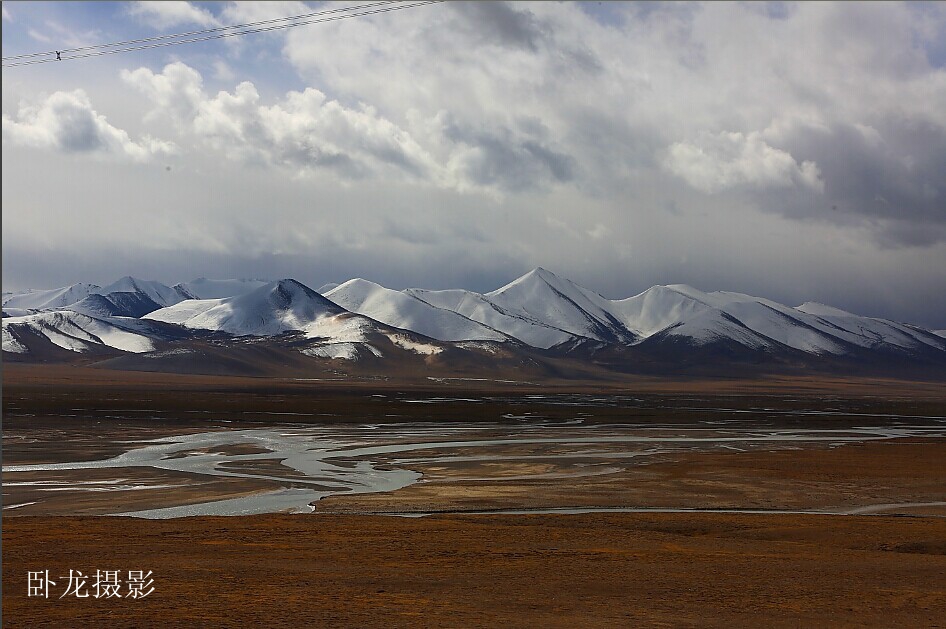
(539, 309)
(47, 299)
(402, 310)
(75, 332)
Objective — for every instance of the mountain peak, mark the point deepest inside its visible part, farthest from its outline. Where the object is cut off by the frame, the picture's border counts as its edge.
(270, 309)
(54, 298)
(161, 294)
(204, 288)
(536, 277)
(358, 282)
(404, 310)
(283, 294)
(823, 310)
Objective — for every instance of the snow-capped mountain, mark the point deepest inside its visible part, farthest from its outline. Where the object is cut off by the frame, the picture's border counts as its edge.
(330, 330)
(269, 310)
(278, 307)
(541, 296)
(116, 304)
(540, 309)
(47, 299)
(157, 292)
(539, 316)
(479, 308)
(402, 310)
(76, 332)
(683, 311)
(203, 288)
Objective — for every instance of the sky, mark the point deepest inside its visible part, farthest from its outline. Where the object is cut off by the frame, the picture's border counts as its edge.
(790, 151)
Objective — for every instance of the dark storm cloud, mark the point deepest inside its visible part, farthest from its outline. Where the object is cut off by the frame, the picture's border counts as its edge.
(499, 23)
(891, 176)
(509, 160)
(437, 270)
(78, 132)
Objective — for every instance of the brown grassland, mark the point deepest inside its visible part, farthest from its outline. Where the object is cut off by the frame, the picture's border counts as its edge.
(336, 568)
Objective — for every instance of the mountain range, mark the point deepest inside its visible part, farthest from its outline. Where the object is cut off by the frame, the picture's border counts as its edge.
(540, 323)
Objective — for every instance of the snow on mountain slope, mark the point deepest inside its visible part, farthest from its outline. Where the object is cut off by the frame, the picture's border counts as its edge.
(814, 332)
(182, 312)
(46, 299)
(543, 297)
(823, 310)
(871, 333)
(73, 331)
(203, 288)
(822, 332)
(278, 307)
(404, 342)
(656, 309)
(269, 310)
(407, 312)
(324, 288)
(361, 319)
(543, 310)
(343, 350)
(712, 325)
(480, 309)
(97, 306)
(10, 342)
(161, 294)
(798, 330)
(116, 304)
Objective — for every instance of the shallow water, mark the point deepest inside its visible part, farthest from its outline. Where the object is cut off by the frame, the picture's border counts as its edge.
(320, 461)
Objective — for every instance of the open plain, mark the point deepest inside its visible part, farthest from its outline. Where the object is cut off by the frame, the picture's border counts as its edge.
(730, 503)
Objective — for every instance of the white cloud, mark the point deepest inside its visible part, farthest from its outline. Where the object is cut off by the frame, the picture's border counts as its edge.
(177, 91)
(6, 14)
(223, 71)
(729, 160)
(306, 131)
(599, 232)
(66, 122)
(40, 37)
(168, 13)
(500, 136)
(245, 12)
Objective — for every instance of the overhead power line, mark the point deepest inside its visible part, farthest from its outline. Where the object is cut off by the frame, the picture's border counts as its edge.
(221, 32)
(199, 32)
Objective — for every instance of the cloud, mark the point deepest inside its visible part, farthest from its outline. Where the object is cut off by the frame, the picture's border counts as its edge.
(176, 92)
(733, 159)
(888, 175)
(66, 122)
(40, 37)
(245, 12)
(169, 13)
(6, 14)
(306, 131)
(501, 157)
(793, 151)
(699, 91)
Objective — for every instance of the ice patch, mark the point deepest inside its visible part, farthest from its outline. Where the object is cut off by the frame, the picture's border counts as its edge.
(12, 345)
(346, 351)
(418, 348)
